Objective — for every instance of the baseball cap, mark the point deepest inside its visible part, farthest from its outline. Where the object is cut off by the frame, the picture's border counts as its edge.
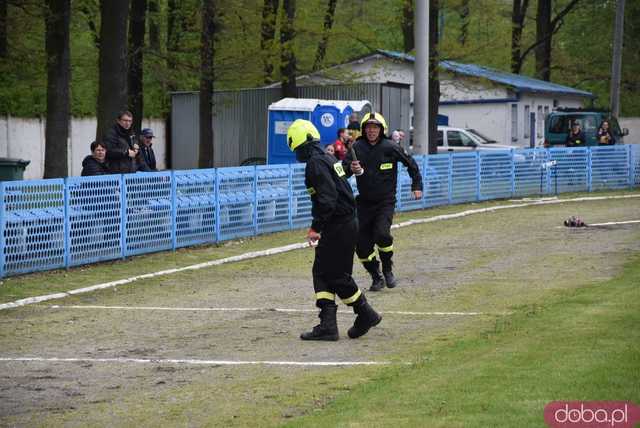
(147, 132)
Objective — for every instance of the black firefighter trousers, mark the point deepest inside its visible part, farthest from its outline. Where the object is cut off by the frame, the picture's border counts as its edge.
(374, 221)
(333, 264)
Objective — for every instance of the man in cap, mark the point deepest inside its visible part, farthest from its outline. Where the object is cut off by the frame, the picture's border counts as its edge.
(376, 170)
(333, 233)
(146, 151)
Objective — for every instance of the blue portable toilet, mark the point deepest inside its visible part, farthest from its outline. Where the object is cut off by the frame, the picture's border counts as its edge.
(327, 115)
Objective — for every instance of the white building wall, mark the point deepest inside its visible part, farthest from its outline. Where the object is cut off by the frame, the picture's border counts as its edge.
(23, 138)
(489, 119)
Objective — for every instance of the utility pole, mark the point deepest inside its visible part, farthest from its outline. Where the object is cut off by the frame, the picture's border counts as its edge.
(616, 66)
(421, 79)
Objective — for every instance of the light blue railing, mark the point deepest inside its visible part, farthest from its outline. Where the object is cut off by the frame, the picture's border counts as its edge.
(49, 224)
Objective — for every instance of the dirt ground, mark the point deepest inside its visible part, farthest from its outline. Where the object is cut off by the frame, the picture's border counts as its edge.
(488, 263)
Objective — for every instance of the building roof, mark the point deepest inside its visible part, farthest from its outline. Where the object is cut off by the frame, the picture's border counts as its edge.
(518, 82)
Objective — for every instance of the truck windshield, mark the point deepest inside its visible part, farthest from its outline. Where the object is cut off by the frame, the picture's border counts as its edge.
(562, 124)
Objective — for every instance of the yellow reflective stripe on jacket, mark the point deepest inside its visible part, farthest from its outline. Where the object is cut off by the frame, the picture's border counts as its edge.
(368, 259)
(385, 166)
(311, 190)
(352, 298)
(325, 295)
(386, 249)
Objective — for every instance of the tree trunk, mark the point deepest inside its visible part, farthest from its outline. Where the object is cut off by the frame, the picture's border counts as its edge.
(112, 85)
(434, 80)
(267, 37)
(57, 18)
(544, 31)
(205, 155)
(154, 28)
(136, 49)
(3, 29)
(464, 21)
(518, 15)
(324, 41)
(287, 55)
(174, 27)
(407, 26)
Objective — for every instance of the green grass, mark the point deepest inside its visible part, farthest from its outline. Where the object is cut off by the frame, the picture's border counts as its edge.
(579, 344)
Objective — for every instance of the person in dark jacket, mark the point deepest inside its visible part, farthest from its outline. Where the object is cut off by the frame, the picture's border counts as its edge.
(333, 233)
(376, 170)
(605, 136)
(95, 163)
(146, 157)
(576, 137)
(121, 149)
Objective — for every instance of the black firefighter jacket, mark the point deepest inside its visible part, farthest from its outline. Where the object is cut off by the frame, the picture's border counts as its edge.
(331, 195)
(380, 163)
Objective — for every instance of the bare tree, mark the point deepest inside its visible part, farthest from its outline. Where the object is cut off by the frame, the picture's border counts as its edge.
(205, 158)
(175, 23)
(434, 79)
(545, 29)
(154, 27)
(57, 18)
(136, 49)
(267, 37)
(464, 21)
(329, 17)
(407, 25)
(518, 14)
(112, 85)
(3, 29)
(287, 55)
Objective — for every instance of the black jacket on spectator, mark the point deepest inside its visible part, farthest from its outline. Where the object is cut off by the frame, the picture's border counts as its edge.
(149, 158)
(602, 133)
(576, 140)
(90, 166)
(118, 142)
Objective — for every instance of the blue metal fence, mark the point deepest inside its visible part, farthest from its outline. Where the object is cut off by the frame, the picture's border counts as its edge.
(49, 224)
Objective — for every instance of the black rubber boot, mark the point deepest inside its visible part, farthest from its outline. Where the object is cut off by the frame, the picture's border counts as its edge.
(389, 279)
(377, 282)
(366, 318)
(373, 267)
(387, 265)
(328, 327)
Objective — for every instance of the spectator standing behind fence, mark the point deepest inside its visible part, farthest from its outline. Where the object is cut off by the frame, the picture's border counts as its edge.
(95, 163)
(354, 126)
(576, 137)
(604, 136)
(340, 146)
(121, 149)
(146, 158)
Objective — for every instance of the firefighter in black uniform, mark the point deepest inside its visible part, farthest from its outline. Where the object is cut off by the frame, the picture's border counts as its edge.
(333, 232)
(376, 171)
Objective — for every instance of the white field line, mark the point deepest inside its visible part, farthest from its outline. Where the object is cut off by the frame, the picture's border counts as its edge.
(291, 247)
(193, 362)
(284, 310)
(611, 223)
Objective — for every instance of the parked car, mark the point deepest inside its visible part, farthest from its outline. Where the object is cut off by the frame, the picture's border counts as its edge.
(558, 123)
(465, 139)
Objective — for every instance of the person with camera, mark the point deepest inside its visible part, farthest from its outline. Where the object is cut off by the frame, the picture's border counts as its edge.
(121, 147)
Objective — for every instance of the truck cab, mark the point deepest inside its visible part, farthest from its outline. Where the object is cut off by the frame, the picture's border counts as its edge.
(558, 124)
